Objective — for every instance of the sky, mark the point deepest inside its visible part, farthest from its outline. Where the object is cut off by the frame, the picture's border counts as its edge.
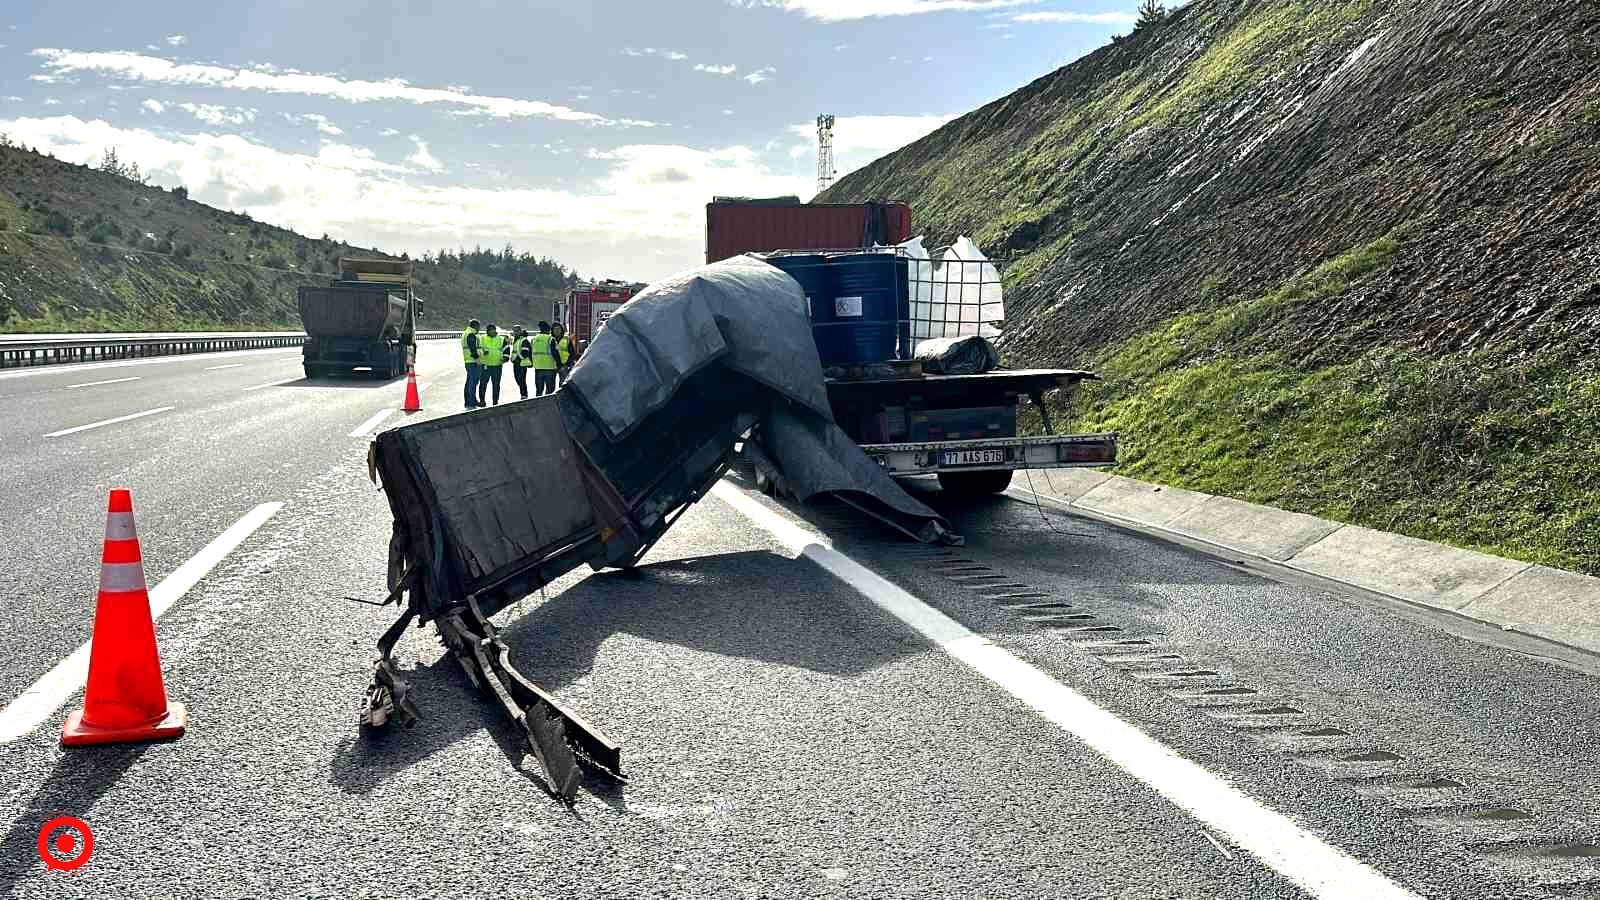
(593, 133)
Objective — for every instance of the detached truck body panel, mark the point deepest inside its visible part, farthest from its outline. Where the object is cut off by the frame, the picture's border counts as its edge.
(962, 428)
(364, 319)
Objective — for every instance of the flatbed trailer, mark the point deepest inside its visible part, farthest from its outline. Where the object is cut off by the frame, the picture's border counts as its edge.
(968, 425)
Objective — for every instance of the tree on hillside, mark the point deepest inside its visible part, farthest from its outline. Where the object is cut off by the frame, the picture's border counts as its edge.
(1151, 12)
(112, 165)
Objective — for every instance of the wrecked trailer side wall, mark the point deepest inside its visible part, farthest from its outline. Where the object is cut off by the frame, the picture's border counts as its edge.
(483, 502)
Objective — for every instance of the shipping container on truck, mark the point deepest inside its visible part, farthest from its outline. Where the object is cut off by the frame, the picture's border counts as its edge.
(588, 307)
(364, 319)
(736, 225)
(960, 428)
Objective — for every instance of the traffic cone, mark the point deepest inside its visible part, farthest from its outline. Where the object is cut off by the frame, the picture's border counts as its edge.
(125, 700)
(413, 399)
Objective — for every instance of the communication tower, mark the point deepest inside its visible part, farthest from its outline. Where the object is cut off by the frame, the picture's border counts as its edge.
(825, 170)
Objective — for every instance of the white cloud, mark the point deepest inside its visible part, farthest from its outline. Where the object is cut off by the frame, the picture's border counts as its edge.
(643, 218)
(388, 132)
(673, 55)
(212, 114)
(716, 70)
(761, 75)
(423, 158)
(799, 150)
(727, 112)
(846, 10)
(51, 101)
(1078, 18)
(139, 67)
(177, 40)
(323, 124)
(155, 106)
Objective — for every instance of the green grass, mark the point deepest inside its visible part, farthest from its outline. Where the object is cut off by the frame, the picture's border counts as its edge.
(1491, 451)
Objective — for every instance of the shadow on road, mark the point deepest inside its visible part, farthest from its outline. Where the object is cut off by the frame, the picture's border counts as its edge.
(80, 778)
(715, 604)
(360, 381)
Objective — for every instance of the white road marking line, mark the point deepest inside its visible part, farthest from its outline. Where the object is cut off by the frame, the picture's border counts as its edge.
(257, 387)
(127, 418)
(366, 427)
(44, 697)
(1317, 867)
(107, 381)
(228, 366)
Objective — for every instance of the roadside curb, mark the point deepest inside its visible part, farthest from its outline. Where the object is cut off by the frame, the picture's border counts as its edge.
(1552, 604)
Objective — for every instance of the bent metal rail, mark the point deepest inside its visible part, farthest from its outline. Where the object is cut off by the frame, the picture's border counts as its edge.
(17, 350)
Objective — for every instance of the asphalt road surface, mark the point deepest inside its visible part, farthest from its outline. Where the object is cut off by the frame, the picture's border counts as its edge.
(808, 708)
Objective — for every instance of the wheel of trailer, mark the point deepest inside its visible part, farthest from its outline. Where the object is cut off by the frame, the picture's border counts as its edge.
(972, 484)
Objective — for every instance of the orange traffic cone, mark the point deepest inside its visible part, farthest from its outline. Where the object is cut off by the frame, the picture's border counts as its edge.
(125, 700)
(413, 400)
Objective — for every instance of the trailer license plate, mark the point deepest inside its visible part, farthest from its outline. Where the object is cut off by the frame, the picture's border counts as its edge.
(972, 457)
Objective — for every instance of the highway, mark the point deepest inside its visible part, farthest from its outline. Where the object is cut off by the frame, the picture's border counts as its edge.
(809, 708)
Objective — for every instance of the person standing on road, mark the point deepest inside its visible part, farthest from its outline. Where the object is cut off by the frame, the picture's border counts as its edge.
(563, 345)
(545, 361)
(521, 358)
(469, 352)
(493, 356)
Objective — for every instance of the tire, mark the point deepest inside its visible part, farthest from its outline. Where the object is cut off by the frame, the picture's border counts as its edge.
(313, 371)
(973, 484)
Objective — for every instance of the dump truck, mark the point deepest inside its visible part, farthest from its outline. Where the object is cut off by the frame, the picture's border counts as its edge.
(364, 319)
(872, 303)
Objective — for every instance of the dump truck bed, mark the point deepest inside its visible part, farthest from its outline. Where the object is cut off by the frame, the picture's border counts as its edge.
(352, 312)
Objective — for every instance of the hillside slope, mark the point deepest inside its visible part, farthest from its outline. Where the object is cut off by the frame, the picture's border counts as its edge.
(84, 250)
(1335, 255)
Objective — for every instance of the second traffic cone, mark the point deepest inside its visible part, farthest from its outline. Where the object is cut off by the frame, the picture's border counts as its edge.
(125, 699)
(413, 400)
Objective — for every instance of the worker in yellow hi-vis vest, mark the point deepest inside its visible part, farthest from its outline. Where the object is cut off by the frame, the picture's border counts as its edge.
(491, 357)
(545, 362)
(563, 345)
(521, 358)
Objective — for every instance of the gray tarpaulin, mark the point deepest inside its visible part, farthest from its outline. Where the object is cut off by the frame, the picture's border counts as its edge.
(750, 318)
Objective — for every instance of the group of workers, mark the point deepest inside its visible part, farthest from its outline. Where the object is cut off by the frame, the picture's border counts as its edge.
(549, 353)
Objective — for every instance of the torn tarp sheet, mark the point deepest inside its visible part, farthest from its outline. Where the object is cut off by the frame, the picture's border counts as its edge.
(751, 318)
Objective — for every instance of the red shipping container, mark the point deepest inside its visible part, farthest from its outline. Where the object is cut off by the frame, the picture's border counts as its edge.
(761, 226)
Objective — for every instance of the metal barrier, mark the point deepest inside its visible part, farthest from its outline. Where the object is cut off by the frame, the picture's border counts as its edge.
(17, 350)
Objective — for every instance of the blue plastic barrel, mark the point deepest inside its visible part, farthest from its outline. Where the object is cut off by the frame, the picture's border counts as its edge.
(814, 275)
(863, 323)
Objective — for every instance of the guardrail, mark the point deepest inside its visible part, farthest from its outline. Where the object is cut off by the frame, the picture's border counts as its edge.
(17, 350)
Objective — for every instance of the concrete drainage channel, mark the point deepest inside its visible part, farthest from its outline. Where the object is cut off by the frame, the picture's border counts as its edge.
(1512, 840)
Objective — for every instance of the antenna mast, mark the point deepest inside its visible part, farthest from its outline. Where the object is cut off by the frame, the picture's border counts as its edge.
(825, 170)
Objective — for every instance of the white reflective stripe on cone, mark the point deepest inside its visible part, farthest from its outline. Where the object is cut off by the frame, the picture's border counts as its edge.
(119, 526)
(120, 578)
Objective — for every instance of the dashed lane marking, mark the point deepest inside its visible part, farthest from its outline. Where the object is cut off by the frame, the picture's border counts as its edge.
(128, 418)
(107, 381)
(366, 428)
(257, 387)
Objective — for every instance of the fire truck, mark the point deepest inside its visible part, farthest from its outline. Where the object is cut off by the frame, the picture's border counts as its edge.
(587, 308)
